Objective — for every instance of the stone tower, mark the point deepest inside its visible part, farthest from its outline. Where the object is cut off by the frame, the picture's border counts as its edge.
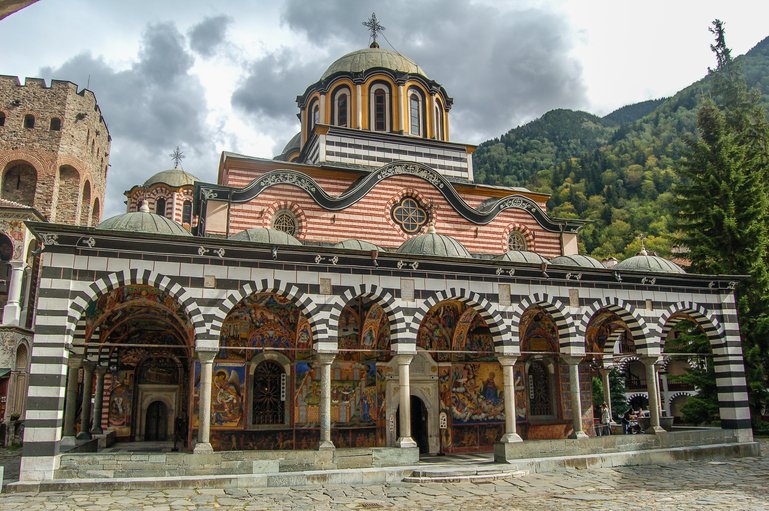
(54, 149)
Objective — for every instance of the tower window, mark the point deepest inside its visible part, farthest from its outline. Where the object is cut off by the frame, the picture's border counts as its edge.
(379, 111)
(410, 215)
(517, 241)
(29, 121)
(55, 124)
(285, 221)
(2, 119)
(187, 212)
(160, 207)
(415, 114)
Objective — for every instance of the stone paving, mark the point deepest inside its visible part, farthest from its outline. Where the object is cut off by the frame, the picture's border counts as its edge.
(731, 484)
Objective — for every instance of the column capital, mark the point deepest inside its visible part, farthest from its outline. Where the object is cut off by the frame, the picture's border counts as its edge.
(651, 360)
(74, 362)
(206, 356)
(89, 365)
(18, 265)
(572, 360)
(101, 370)
(507, 360)
(325, 358)
(403, 359)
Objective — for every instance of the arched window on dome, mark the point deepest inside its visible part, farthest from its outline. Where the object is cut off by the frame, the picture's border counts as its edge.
(160, 206)
(438, 116)
(416, 113)
(380, 107)
(313, 117)
(342, 107)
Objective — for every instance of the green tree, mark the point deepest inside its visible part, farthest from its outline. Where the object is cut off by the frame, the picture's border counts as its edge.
(723, 202)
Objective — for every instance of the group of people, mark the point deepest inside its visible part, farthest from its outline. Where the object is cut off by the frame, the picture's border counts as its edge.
(630, 421)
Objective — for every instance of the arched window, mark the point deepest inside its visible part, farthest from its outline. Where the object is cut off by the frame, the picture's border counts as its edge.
(68, 195)
(410, 215)
(313, 117)
(540, 393)
(29, 121)
(85, 206)
(342, 107)
(2, 118)
(55, 124)
(95, 213)
(187, 212)
(517, 241)
(438, 114)
(380, 107)
(160, 206)
(284, 220)
(269, 393)
(415, 114)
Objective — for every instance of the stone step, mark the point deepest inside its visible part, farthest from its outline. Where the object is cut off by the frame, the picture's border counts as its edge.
(456, 475)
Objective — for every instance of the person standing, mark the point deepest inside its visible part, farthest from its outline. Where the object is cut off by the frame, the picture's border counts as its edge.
(605, 419)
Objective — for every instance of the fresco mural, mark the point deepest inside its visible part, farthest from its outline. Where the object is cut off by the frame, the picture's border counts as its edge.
(121, 402)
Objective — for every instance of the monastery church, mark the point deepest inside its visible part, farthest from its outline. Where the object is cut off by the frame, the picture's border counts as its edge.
(358, 293)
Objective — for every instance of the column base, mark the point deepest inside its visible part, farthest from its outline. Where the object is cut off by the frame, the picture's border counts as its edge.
(203, 448)
(579, 435)
(326, 445)
(406, 442)
(507, 452)
(655, 430)
(97, 431)
(84, 435)
(67, 440)
(510, 438)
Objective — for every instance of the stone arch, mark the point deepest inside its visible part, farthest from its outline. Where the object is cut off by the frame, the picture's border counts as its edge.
(378, 295)
(22, 356)
(567, 332)
(135, 277)
(20, 182)
(85, 206)
(624, 361)
(497, 327)
(95, 212)
(704, 318)
(67, 195)
(304, 302)
(639, 330)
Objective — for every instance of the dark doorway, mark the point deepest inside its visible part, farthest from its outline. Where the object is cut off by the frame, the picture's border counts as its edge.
(418, 424)
(156, 423)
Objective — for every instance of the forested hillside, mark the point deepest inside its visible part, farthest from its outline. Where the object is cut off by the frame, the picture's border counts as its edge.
(616, 171)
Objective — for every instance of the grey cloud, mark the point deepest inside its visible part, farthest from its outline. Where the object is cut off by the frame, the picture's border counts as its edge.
(269, 88)
(502, 67)
(150, 108)
(209, 34)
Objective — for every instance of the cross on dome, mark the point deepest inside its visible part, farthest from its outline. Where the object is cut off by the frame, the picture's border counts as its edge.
(177, 156)
(374, 27)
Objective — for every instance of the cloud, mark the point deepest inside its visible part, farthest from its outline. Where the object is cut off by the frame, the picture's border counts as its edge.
(503, 67)
(209, 34)
(150, 108)
(267, 91)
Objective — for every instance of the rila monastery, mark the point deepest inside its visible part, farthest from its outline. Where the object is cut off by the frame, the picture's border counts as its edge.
(356, 301)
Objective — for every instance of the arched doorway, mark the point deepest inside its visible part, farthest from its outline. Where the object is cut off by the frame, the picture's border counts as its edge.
(420, 423)
(156, 422)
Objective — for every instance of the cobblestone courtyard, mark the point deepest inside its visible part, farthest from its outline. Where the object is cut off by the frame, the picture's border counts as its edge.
(732, 484)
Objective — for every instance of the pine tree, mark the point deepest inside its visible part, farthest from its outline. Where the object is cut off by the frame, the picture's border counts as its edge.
(723, 202)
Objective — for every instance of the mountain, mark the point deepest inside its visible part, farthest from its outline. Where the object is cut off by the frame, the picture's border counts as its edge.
(617, 171)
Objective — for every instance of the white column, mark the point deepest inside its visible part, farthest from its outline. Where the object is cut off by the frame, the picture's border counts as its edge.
(12, 309)
(402, 111)
(85, 408)
(404, 440)
(665, 394)
(325, 360)
(70, 406)
(651, 387)
(322, 102)
(576, 400)
(98, 400)
(605, 372)
(508, 374)
(204, 429)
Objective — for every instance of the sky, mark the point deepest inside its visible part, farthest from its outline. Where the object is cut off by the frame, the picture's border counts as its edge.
(223, 76)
